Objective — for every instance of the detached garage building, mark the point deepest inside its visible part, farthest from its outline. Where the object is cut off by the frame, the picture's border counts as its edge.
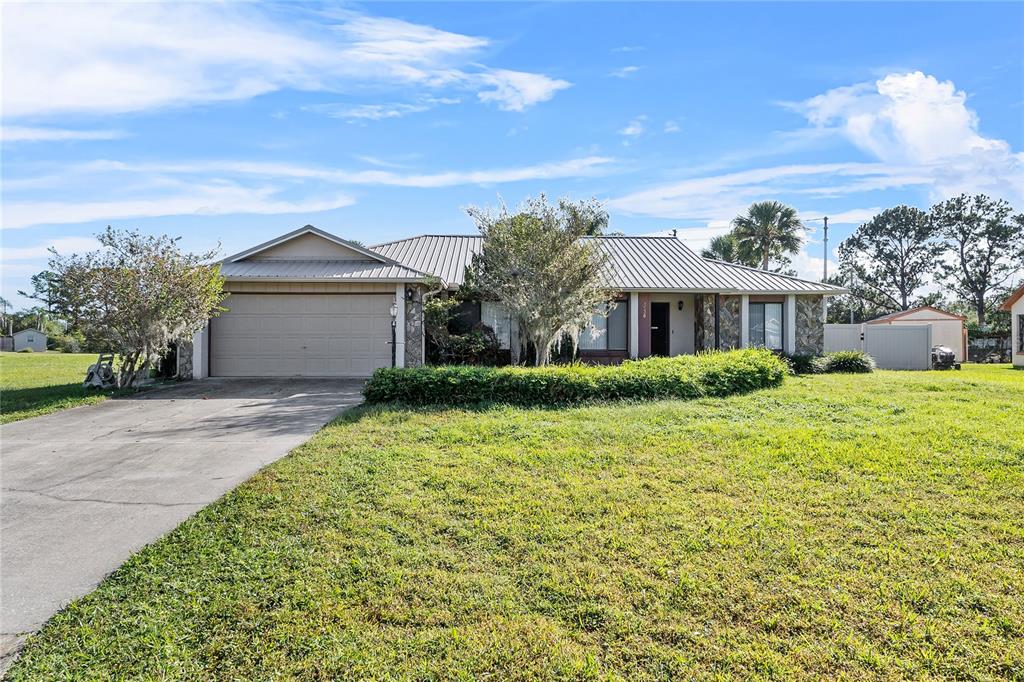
(313, 305)
(947, 329)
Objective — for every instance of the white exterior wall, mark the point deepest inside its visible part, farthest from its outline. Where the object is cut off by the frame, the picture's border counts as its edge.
(789, 324)
(634, 325)
(1016, 350)
(30, 338)
(200, 356)
(680, 322)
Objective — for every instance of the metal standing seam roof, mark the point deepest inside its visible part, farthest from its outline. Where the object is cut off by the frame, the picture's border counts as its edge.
(443, 255)
(635, 263)
(329, 270)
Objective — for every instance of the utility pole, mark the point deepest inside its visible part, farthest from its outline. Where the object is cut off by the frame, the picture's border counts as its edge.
(826, 248)
(824, 299)
(853, 283)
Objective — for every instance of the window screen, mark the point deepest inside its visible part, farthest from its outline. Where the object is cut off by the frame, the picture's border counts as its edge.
(618, 327)
(495, 316)
(608, 329)
(595, 336)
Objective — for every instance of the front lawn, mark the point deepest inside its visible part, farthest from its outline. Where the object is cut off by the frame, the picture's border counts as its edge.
(32, 384)
(866, 526)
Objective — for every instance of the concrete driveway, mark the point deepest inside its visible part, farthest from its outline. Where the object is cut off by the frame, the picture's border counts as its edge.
(84, 488)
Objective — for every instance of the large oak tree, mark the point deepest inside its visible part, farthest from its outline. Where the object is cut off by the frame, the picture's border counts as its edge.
(986, 242)
(890, 257)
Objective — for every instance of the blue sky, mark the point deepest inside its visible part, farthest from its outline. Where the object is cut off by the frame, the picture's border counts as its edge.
(236, 122)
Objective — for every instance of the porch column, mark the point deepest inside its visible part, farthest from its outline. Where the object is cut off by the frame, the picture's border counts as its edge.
(200, 356)
(634, 325)
(789, 324)
(744, 320)
(400, 325)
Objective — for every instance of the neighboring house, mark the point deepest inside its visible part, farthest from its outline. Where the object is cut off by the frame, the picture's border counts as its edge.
(1015, 306)
(312, 304)
(30, 338)
(947, 329)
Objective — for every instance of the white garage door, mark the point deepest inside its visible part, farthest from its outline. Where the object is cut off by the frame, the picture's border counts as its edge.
(309, 335)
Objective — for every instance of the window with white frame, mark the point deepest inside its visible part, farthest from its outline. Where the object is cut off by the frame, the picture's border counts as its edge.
(496, 316)
(766, 325)
(608, 328)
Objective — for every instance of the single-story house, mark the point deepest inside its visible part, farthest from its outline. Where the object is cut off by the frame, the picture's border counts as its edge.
(1015, 306)
(947, 328)
(30, 338)
(309, 303)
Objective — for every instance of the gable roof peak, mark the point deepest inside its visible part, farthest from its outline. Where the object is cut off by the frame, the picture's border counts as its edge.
(310, 229)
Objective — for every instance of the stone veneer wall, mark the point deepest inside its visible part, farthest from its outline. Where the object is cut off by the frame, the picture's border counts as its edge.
(810, 327)
(184, 360)
(707, 313)
(729, 322)
(413, 326)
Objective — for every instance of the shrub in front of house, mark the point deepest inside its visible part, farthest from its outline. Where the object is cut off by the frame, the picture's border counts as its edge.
(691, 376)
(804, 363)
(848, 361)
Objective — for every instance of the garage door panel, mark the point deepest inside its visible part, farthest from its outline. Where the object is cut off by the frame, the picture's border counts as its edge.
(302, 335)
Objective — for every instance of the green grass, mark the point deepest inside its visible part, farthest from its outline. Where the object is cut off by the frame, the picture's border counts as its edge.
(32, 384)
(857, 526)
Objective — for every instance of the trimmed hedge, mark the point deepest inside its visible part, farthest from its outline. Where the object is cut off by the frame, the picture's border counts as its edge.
(687, 376)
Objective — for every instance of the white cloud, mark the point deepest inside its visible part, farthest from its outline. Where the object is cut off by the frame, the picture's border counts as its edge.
(628, 48)
(914, 119)
(124, 57)
(671, 127)
(218, 199)
(63, 245)
(517, 90)
(30, 134)
(186, 188)
(577, 167)
(634, 128)
(918, 129)
(723, 196)
(377, 112)
(624, 72)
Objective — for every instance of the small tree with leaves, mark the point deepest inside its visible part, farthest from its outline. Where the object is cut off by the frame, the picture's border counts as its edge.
(986, 247)
(137, 294)
(538, 263)
(891, 256)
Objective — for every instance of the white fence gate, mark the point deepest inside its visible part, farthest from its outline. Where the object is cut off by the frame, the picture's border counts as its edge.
(892, 347)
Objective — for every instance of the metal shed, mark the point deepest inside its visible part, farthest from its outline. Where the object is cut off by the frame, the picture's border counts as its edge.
(30, 338)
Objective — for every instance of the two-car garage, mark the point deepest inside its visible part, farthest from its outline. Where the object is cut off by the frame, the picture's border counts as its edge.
(307, 335)
(310, 304)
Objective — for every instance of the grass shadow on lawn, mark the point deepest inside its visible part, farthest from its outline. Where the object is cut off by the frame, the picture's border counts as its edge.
(20, 403)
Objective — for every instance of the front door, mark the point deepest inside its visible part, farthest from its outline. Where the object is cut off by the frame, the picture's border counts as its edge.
(659, 329)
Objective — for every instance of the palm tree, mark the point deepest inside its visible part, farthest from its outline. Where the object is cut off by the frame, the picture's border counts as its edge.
(768, 230)
(724, 248)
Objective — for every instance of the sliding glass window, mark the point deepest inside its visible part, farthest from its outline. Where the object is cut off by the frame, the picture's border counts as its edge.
(766, 325)
(608, 328)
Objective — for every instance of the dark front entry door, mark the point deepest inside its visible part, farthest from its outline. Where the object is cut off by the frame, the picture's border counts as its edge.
(659, 329)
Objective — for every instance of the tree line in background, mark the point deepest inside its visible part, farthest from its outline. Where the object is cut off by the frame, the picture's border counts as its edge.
(970, 246)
